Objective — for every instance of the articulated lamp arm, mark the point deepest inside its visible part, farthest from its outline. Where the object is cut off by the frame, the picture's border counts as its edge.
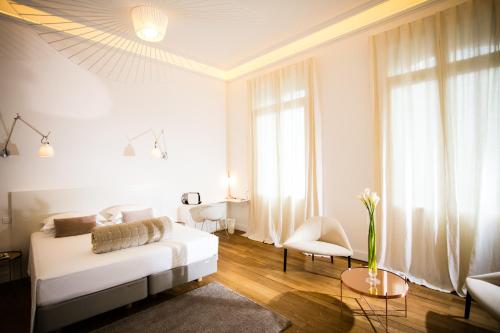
(159, 151)
(45, 137)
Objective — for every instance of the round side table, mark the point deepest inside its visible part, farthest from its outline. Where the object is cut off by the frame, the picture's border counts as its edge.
(387, 286)
(12, 256)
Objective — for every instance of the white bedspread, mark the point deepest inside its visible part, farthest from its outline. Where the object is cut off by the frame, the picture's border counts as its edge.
(65, 268)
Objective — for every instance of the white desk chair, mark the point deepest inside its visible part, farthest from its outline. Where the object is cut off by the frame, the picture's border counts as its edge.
(214, 212)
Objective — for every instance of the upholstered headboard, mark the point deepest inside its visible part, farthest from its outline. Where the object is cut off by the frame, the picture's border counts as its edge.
(29, 208)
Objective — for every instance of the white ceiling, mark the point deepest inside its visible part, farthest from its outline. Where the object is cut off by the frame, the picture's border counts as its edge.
(225, 34)
(219, 33)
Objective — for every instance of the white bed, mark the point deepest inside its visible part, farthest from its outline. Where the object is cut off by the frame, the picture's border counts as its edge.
(71, 283)
(65, 268)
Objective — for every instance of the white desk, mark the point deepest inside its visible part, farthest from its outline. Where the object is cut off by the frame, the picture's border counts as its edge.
(235, 200)
(235, 208)
(239, 209)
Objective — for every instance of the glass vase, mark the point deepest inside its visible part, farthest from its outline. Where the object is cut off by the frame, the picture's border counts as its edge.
(372, 252)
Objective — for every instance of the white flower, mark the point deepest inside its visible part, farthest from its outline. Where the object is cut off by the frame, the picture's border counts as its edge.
(369, 199)
(374, 199)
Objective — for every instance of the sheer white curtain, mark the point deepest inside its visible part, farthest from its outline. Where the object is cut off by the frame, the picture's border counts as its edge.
(438, 104)
(285, 168)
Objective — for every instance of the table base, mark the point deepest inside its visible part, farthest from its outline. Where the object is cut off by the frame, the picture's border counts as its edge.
(372, 312)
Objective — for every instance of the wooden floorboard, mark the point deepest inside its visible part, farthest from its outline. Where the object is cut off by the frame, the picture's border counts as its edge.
(308, 294)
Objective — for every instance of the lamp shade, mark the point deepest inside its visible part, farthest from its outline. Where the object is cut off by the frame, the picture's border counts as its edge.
(12, 149)
(46, 150)
(156, 153)
(129, 150)
(150, 23)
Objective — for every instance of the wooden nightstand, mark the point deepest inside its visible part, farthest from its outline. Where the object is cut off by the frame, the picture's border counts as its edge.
(12, 256)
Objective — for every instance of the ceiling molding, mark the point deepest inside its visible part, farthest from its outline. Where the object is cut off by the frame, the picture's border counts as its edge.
(351, 24)
(334, 31)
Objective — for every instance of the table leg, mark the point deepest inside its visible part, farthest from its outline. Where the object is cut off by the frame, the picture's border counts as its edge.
(386, 327)
(341, 303)
(10, 270)
(406, 306)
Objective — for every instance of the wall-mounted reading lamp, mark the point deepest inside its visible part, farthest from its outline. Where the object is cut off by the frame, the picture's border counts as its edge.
(45, 150)
(158, 151)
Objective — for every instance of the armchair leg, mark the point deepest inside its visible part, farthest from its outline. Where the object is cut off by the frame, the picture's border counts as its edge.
(349, 261)
(284, 259)
(468, 302)
(331, 259)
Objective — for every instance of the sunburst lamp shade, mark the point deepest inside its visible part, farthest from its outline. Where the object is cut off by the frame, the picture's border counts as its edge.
(150, 23)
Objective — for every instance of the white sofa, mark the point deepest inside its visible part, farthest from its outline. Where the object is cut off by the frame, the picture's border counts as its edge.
(485, 290)
(322, 236)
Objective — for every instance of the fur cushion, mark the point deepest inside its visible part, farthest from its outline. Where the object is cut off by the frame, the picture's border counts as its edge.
(125, 235)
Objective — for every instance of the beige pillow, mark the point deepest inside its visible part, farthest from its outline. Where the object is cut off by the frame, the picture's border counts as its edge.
(74, 226)
(48, 222)
(137, 215)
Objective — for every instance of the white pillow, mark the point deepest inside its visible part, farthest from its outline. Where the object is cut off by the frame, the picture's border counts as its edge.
(114, 213)
(48, 222)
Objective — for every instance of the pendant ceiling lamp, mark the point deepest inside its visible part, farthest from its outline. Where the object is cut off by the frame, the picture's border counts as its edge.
(150, 23)
(120, 40)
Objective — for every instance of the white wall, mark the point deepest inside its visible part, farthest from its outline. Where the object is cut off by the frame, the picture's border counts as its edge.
(348, 125)
(90, 118)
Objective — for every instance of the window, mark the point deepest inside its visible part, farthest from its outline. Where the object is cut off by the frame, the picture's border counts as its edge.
(285, 182)
(438, 102)
(280, 147)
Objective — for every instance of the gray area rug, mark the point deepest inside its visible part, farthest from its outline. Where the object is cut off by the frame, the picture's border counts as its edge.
(211, 308)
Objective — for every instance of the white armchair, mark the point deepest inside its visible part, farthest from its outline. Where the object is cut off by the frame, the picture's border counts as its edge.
(485, 290)
(321, 236)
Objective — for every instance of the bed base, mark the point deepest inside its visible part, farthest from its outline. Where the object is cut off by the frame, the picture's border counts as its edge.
(179, 275)
(55, 316)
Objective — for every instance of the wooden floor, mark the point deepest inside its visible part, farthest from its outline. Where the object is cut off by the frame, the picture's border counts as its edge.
(308, 294)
